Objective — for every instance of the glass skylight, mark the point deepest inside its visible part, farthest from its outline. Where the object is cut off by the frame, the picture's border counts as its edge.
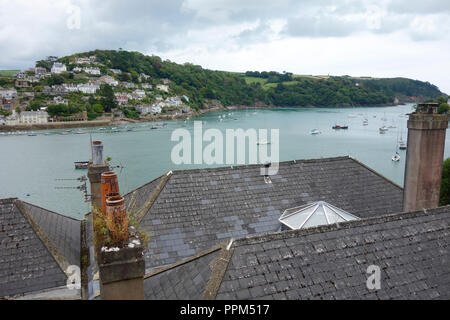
(314, 214)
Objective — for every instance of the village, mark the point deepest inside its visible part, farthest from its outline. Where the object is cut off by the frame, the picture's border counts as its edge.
(72, 92)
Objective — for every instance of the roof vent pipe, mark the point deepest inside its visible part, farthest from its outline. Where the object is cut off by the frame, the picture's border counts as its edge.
(97, 153)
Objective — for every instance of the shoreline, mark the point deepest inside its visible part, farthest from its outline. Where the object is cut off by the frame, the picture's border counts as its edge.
(161, 117)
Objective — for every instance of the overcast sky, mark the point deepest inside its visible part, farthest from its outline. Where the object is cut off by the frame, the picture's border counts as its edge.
(383, 38)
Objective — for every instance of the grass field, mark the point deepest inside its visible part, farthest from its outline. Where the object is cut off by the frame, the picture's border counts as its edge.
(250, 80)
(8, 73)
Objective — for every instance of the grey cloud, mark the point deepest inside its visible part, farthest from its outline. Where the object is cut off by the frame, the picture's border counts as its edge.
(419, 6)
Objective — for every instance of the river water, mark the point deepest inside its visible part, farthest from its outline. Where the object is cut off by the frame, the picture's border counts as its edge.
(31, 165)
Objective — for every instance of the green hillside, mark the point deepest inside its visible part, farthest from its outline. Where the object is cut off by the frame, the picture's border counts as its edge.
(281, 89)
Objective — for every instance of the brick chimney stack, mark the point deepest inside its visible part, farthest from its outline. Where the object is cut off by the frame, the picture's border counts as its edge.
(424, 157)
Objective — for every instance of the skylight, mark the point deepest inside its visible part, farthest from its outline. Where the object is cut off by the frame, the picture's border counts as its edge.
(314, 214)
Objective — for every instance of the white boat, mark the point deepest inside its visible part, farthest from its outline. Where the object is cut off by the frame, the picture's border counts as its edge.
(402, 143)
(396, 157)
(383, 129)
(263, 142)
(315, 131)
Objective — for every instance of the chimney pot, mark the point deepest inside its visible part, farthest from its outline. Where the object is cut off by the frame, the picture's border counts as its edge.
(110, 187)
(97, 153)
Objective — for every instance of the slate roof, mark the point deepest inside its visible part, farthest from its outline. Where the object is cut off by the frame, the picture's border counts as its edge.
(192, 210)
(36, 245)
(328, 262)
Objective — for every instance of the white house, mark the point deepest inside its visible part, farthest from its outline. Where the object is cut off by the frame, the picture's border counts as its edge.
(82, 60)
(121, 98)
(146, 86)
(174, 101)
(109, 80)
(59, 67)
(94, 71)
(139, 94)
(8, 93)
(156, 109)
(33, 117)
(60, 100)
(77, 69)
(71, 87)
(116, 71)
(163, 87)
(146, 109)
(88, 88)
(128, 85)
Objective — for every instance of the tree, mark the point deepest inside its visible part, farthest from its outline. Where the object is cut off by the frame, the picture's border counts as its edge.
(58, 110)
(445, 184)
(107, 98)
(443, 108)
(33, 106)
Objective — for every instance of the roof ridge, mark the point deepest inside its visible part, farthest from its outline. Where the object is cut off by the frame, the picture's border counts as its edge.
(59, 214)
(377, 173)
(258, 165)
(142, 186)
(199, 255)
(60, 260)
(218, 271)
(336, 226)
(144, 210)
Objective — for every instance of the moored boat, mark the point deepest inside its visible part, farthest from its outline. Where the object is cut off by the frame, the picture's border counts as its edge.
(81, 165)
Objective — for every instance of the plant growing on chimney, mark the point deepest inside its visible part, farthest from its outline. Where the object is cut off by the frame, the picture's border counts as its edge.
(118, 237)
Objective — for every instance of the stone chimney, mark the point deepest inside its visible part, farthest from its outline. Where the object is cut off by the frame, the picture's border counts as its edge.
(121, 259)
(121, 267)
(424, 157)
(97, 166)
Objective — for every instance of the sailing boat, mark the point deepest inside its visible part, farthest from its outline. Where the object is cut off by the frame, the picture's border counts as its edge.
(396, 157)
(401, 143)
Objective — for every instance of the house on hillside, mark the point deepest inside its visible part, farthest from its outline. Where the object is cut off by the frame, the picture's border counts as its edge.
(109, 80)
(33, 117)
(139, 94)
(88, 88)
(40, 71)
(122, 98)
(116, 71)
(22, 83)
(93, 71)
(163, 87)
(58, 68)
(9, 93)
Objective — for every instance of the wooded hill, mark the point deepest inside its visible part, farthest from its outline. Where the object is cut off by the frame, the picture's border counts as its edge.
(271, 88)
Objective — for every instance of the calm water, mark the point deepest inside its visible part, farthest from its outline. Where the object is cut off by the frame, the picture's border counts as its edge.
(31, 165)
